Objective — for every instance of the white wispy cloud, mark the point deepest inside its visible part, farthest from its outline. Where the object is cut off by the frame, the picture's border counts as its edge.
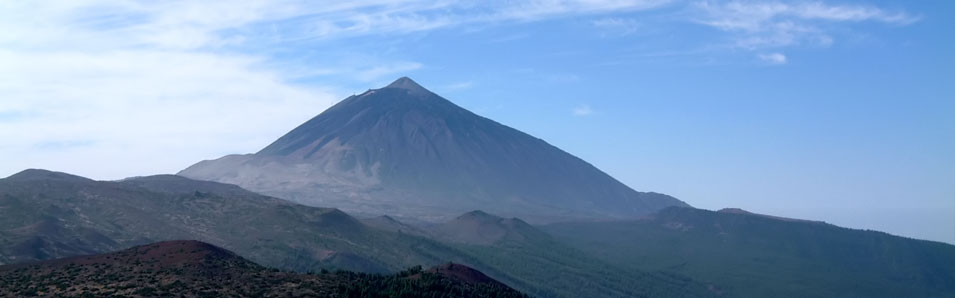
(583, 110)
(110, 89)
(760, 24)
(100, 24)
(460, 85)
(773, 58)
(537, 9)
(141, 112)
(379, 71)
(616, 25)
(407, 16)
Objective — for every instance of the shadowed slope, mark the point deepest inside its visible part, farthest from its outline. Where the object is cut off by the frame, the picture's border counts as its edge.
(478, 227)
(51, 218)
(47, 217)
(463, 273)
(197, 269)
(754, 255)
(540, 265)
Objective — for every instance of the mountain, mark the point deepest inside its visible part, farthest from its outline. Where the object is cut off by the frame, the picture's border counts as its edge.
(406, 152)
(744, 254)
(388, 223)
(197, 269)
(542, 266)
(480, 228)
(46, 215)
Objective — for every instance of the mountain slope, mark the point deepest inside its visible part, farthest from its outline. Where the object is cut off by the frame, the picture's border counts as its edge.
(387, 223)
(540, 265)
(197, 269)
(406, 152)
(45, 215)
(480, 228)
(752, 255)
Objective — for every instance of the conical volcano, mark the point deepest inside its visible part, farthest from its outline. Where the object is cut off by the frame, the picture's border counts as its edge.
(404, 151)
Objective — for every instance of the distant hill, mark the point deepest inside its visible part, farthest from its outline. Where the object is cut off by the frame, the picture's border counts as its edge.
(480, 228)
(676, 252)
(197, 269)
(46, 215)
(406, 152)
(542, 266)
(388, 223)
(742, 254)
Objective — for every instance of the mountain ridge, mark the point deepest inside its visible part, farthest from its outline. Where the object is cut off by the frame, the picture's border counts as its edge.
(407, 152)
(51, 218)
(41, 174)
(732, 249)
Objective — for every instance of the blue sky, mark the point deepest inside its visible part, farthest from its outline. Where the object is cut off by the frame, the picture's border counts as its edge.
(842, 111)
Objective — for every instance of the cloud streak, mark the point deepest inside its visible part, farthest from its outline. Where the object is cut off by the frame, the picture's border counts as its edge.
(759, 24)
(773, 58)
(619, 26)
(460, 85)
(583, 110)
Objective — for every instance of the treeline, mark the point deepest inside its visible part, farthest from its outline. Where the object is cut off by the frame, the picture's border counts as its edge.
(414, 282)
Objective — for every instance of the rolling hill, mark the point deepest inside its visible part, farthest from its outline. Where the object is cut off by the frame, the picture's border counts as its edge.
(752, 255)
(540, 265)
(46, 215)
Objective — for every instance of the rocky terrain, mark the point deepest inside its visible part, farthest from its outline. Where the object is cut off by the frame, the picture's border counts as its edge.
(197, 269)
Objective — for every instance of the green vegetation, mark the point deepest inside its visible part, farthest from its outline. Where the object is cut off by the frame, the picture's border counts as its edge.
(415, 282)
(195, 269)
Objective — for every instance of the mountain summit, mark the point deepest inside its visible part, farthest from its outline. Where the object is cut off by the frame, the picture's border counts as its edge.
(405, 151)
(407, 84)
